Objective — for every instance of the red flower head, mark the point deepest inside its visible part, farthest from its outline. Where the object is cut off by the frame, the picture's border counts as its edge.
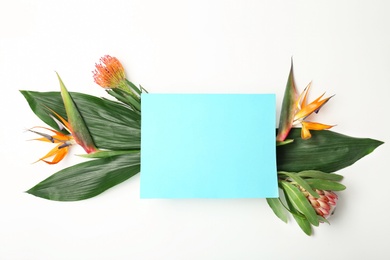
(110, 73)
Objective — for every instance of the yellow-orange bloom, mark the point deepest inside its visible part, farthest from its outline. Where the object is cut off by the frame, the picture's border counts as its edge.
(60, 150)
(109, 73)
(304, 110)
(63, 141)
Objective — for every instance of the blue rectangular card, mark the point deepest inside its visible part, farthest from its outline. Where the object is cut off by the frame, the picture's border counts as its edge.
(208, 146)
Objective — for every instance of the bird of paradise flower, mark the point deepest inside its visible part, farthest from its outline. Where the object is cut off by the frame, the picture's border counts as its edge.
(75, 125)
(296, 110)
(63, 141)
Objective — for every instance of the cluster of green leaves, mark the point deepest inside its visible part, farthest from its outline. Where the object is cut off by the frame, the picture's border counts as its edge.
(115, 127)
(294, 200)
(116, 131)
(309, 164)
(132, 97)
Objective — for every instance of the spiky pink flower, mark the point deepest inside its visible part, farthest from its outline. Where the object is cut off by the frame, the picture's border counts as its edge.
(325, 204)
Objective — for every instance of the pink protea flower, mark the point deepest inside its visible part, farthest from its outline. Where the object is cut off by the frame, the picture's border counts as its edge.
(325, 204)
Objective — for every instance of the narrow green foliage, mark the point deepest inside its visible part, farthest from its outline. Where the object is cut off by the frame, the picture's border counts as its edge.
(321, 184)
(134, 88)
(320, 175)
(301, 220)
(126, 98)
(278, 208)
(301, 182)
(299, 202)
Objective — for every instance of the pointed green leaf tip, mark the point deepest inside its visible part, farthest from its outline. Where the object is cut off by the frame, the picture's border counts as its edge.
(288, 106)
(78, 127)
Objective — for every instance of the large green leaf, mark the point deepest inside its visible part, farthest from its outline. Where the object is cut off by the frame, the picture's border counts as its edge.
(325, 151)
(112, 125)
(88, 179)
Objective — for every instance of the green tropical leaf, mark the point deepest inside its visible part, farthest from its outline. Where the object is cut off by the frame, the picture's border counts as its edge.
(301, 220)
(325, 185)
(300, 203)
(325, 151)
(87, 179)
(278, 208)
(301, 182)
(320, 175)
(101, 116)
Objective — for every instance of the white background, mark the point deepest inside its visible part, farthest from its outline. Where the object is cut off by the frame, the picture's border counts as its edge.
(194, 47)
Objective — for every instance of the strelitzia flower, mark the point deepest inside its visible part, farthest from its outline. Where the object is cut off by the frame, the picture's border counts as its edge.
(295, 110)
(110, 74)
(63, 141)
(303, 110)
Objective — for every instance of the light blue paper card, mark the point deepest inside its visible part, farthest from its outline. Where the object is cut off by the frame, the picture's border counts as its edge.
(208, 146)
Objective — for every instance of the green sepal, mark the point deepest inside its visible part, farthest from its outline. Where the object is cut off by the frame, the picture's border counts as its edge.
(87, 179)
(321, 219)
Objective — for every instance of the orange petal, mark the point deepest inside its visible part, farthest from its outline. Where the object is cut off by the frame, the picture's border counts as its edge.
(63, 121)
(305, 133)
(49, 129)
(59, 156)
(315, 126)
(58, 137)
(302, 100)
(310, 108)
